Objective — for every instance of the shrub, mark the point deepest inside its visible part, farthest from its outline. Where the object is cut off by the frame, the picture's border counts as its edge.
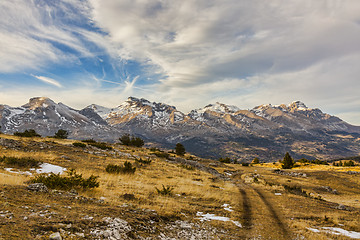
(148, 161)
(79, 144)
(27, 133)
(154, 149)
(128, 140)
(89, 141)
(245, 164)
(20, 162)
(349, 163)
(72, 180)
(100, 145)
(165, 190)
(126, 169)
(61, 134)
(162, 154)
(295, 190)
(225, 160)
(180, 149)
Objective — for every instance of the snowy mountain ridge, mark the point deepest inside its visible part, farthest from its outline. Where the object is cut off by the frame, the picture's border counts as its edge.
(216, 129)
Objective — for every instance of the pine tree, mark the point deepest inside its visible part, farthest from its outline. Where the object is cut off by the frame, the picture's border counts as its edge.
(255, 161)
(287, 162)
(179, 149)
(62, 134)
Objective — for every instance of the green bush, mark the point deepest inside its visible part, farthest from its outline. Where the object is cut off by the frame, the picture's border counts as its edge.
(89, 141)
(126, 169)
(225, 160)
(128, 140)
(162, 154)
(72, 180)
(349, 163)
(245, 164)
(27, 133)
(154, 149)
(79, 144)
(148, 161)
(100, 145)
(20, 162)
(165, 190)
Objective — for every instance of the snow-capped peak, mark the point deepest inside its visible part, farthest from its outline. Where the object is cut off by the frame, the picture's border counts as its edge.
(103, 112)
(298, 105)
(39, 102)
(220, 108)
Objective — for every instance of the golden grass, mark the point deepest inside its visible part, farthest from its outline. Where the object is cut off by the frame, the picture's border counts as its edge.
(193, 190)
(8, 178)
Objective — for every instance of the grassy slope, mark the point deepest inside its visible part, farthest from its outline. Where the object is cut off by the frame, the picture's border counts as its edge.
(194, 191)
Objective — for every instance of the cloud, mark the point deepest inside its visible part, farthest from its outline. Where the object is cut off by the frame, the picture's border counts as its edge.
(191, 53)
(39, 33)
(49, 81)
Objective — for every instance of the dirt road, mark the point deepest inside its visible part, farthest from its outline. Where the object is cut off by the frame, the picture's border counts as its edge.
(260, 218)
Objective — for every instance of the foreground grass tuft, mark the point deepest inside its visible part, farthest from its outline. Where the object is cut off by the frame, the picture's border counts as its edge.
(20, 162)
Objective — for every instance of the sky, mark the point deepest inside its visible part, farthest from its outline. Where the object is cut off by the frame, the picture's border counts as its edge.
(186, 53)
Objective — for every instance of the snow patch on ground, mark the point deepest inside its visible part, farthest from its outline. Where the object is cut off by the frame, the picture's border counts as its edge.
(44, 168)
(227, 207)
(337, 231)
(209, 217)
(50, 168)
(11, 170)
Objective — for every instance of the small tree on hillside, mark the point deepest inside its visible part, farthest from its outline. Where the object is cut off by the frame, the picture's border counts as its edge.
(179, 149)
(62, 134)
(287, 162)
(255, 161)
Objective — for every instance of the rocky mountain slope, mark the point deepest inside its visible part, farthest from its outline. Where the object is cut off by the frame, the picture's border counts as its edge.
(217, 130)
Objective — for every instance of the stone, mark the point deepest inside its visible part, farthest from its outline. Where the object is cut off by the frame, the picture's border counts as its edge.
(341, 207)
(55, 236)
(37, 187)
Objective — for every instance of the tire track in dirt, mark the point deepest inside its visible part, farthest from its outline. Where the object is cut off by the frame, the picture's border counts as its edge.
(247, 215)
(282, 227)
(251, 214)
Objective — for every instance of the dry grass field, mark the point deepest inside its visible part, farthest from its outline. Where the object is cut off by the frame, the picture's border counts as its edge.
(255, 202)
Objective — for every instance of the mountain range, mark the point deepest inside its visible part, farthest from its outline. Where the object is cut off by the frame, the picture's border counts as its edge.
(217, 130)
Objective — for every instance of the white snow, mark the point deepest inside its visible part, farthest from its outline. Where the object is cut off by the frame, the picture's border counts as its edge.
(209, 217)
(50, 168)
(44, 168)
(19, 172)
(337, 231)
(103, 112)
(227, 207)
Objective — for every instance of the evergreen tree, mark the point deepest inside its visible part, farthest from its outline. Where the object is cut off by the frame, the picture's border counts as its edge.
(179, 149)
(287, 162)
(255, 161)
(63, 134)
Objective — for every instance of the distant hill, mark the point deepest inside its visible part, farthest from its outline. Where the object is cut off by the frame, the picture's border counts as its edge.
(217, 130)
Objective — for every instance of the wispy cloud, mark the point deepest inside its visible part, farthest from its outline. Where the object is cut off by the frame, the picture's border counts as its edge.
(242, 52)
(48, 80)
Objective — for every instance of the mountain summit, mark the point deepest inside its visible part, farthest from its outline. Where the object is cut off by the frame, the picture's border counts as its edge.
(217, 130)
